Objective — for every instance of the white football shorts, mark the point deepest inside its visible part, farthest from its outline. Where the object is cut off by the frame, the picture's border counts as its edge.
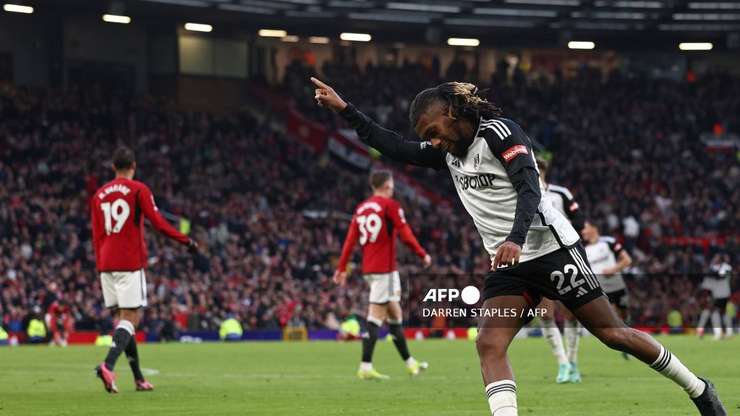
(124, 290)
(384, 287)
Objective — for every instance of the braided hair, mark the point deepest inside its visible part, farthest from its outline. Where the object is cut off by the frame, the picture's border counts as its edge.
(462, 99)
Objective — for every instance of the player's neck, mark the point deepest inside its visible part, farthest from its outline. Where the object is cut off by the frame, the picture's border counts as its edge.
(381, 194)
(125, 175)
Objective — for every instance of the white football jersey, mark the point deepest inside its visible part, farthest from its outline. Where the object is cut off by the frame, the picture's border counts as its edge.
(719, 284)
(603, 255)
(558, 196)
(486, 192)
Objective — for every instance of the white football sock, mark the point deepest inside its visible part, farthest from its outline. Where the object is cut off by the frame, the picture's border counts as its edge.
(716, 325)
(502, 398)
(670, 366)
(703, 318)
(728, 325)
(552, 334)
(572, 332)
(410, 361)
(366, 366)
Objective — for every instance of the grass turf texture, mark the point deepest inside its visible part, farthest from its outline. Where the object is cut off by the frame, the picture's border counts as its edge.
(318, 378)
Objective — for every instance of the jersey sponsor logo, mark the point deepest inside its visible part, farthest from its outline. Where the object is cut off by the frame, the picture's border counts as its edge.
(514, 151)
(476, 161)
(456, 163)
(114, 188)
(475, 181)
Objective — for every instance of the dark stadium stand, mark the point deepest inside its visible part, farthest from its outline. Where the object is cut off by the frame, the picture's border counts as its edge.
(271, 213)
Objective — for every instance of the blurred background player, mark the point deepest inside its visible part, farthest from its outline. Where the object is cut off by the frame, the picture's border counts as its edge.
(375, 223)
(562, 199)
(717, 283)
(118, 211)
(608, 259)
(60, 322)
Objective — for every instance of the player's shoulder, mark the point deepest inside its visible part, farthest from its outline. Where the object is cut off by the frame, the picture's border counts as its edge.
(607, 239)
(388, 203)
(137, 184)
(560, 190)
(373, 203)
(499, 127)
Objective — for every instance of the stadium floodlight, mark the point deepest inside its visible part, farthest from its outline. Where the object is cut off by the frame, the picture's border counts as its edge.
(722, 5)
(578, 44)
(116, 18)
(188, 3)
(355, 37)
(631, 4)
(515, 12)
(695, 46)
(17, 8)
(423, 7)
(571, 3)
(198, 27)
(290, 39)
(320, 40)
(272, 33)
(463, 42)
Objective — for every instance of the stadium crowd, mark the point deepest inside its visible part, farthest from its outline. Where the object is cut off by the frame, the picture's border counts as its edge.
(271, 215)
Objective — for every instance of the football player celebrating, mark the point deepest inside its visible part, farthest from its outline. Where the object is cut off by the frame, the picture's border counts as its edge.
(536, 251)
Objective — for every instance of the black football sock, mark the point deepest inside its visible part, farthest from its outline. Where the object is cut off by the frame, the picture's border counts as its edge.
(132, 352)
(399, 339)
(368, 341)
(121, 338)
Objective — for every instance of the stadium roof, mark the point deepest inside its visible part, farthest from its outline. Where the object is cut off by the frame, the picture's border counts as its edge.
(619, 23)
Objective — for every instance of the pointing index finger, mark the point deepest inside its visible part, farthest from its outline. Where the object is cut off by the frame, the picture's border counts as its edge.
(319, 84)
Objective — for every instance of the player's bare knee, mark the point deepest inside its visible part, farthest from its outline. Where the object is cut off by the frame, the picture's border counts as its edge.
(131, 315)
(615, 338)
(490, 346)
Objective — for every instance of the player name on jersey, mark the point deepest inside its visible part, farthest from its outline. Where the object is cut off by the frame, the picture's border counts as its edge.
(116, 187)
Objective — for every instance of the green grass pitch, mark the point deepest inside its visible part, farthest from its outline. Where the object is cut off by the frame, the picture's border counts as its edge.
(318, 378)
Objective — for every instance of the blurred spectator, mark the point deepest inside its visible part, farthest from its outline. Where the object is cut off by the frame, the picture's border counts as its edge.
(627, 146)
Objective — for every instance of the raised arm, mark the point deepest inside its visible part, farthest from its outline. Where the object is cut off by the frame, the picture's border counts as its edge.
(388, 142)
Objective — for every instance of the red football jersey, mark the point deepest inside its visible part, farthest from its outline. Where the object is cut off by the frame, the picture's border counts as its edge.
(375, 223)
(118, 211)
